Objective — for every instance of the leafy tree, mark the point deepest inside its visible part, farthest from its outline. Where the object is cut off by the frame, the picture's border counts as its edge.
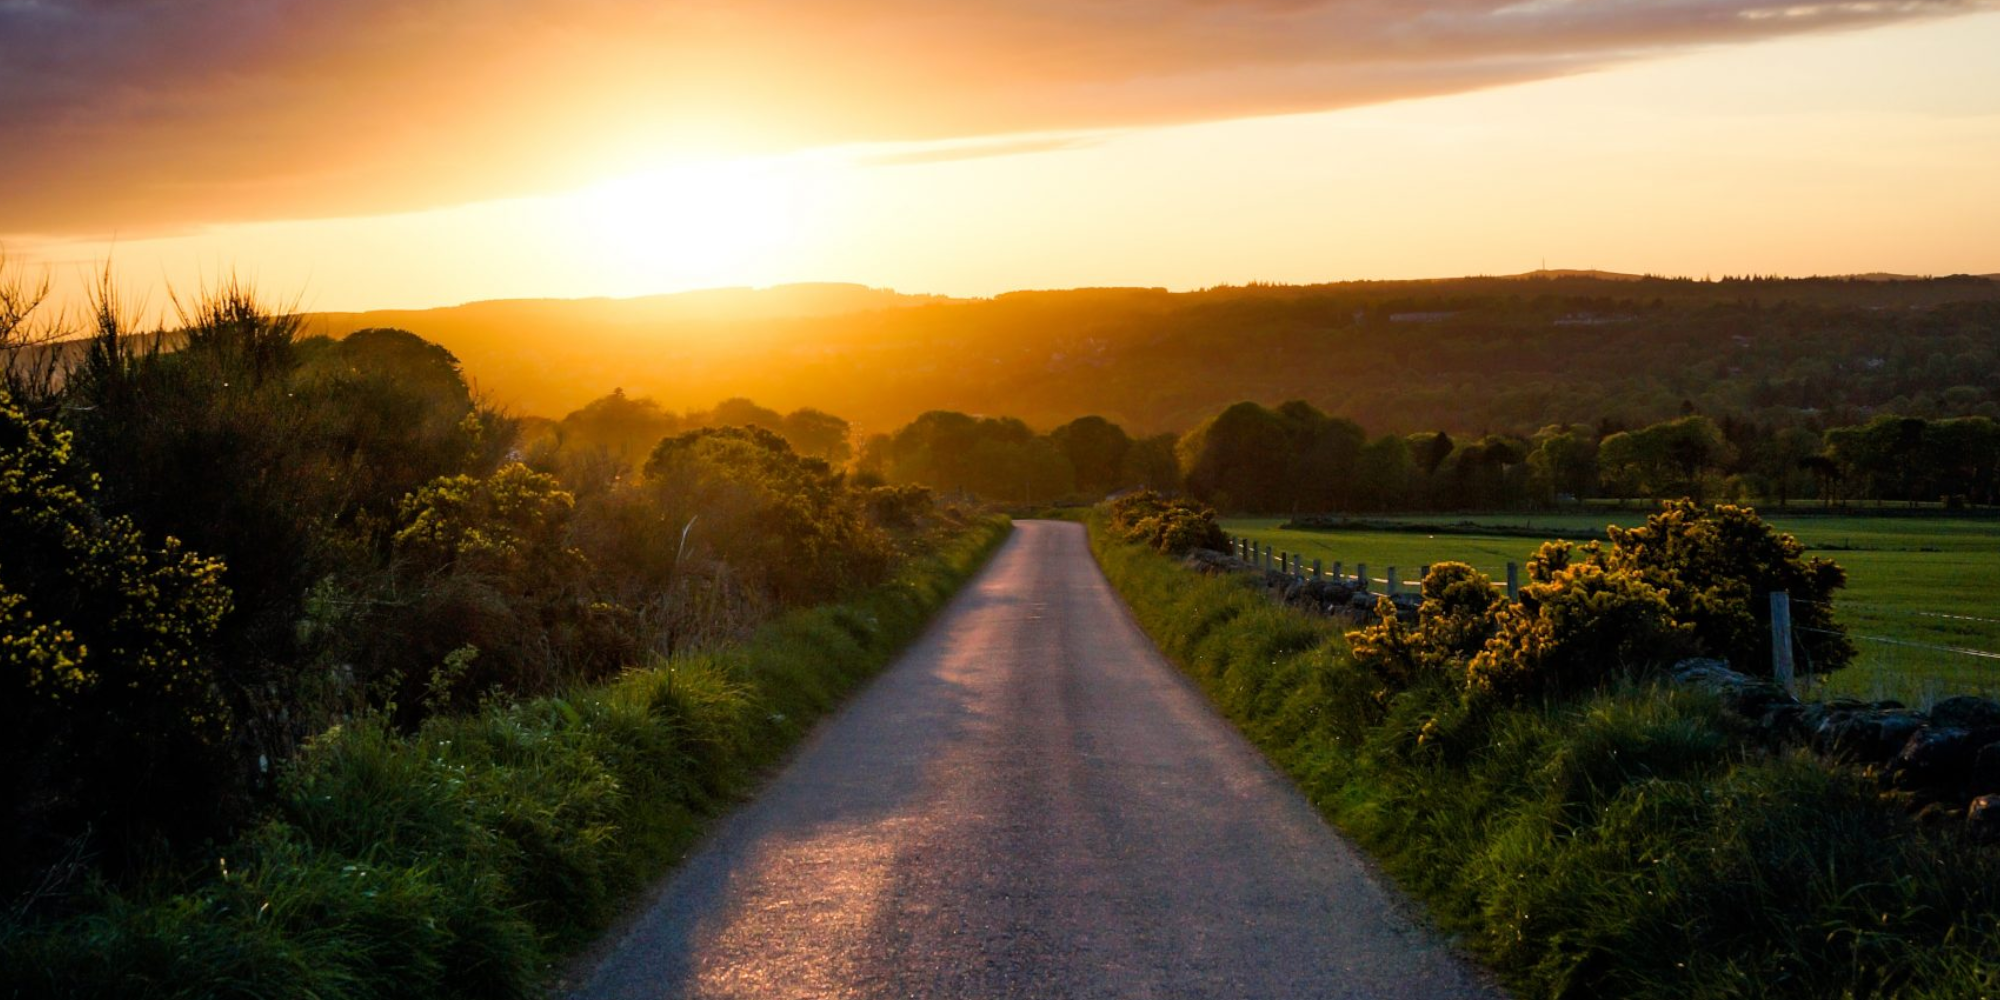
(618, 425)
(1236, 460)
(817, 434)
(1384, 475)
(1563, 463)
(1096, 450)
(787, 522)
(740, 412)
(1150, 464)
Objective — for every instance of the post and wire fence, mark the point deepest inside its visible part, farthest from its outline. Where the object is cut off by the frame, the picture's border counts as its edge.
(1913, 655)
(1263, 556)
(1903, 666)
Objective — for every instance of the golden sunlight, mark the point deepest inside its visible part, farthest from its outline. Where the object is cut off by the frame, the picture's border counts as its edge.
(707, 221)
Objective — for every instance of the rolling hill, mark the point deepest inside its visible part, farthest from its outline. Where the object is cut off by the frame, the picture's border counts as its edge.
(1471, 354)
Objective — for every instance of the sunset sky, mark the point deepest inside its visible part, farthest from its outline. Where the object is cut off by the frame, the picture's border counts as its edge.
(379, 153)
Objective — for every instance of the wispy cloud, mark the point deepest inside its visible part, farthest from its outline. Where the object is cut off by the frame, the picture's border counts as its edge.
(139, 114)
(976, 149)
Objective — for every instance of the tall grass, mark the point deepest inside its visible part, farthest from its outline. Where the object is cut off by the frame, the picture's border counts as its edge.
(1636, 842)
(461, 859)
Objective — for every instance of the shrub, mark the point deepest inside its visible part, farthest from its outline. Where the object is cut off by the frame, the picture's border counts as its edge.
(109, 704)
(898, 507)
(1576, 630)
(1717, 567)
(1174, 526)
(1626, 842)
(788, 522)
(1459, 613)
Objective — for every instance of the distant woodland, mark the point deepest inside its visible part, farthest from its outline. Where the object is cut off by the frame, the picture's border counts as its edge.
(1468, 356)
(1823, 391)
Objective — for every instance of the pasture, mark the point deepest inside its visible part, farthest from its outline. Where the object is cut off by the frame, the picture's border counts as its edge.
(1913, 583)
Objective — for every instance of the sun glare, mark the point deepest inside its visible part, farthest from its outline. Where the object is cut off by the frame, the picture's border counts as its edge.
(699, 222)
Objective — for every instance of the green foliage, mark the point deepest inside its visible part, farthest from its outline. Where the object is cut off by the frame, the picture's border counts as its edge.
(1173, 526)
(508, 524)
(626, 429)
(1096, 449)
(109, 705)
(998, 459)
(1459, 614)
(1575, 629)
(1628, 842)
(898, 507)
(1290, 458)
(789, 522)
(460, 858)
(1691, 579)
(1718, 567)
(1516, 355)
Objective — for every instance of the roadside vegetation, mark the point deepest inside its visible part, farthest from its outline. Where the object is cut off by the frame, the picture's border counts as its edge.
(321, 679)
(1583, 825)
(1914, 582)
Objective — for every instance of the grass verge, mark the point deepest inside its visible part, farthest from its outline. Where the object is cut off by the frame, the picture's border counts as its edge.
(462, 859)
(1632, 843)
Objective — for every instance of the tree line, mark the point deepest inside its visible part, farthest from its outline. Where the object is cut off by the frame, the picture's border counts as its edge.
(1295, 458)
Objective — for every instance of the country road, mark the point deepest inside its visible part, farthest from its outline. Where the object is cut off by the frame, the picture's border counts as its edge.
(1030, 803)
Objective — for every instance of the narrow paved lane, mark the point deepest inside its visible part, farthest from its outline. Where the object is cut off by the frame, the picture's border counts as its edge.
(1031, 803)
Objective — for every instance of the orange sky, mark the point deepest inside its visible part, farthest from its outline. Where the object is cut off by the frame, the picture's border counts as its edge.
(377, 153)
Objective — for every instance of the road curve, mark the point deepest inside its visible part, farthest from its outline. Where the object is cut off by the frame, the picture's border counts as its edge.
(1030, 803)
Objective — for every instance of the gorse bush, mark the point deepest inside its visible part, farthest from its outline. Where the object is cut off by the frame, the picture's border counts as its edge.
(1688, 582)
(110, 711)
(1718, 567)
(1172, 525)
(1577, 630)
(1626, 839)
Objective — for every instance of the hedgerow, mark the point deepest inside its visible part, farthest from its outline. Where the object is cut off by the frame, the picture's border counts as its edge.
(460, 858)
(1620, 838)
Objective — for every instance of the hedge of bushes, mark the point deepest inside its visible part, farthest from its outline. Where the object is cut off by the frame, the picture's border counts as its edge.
(1599, 835)
(459, 858)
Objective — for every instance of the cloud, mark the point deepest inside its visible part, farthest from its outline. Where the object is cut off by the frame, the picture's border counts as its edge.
(137, 115)
(976, 149)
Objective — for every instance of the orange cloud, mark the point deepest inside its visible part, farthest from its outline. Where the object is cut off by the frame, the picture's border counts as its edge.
(138, 116)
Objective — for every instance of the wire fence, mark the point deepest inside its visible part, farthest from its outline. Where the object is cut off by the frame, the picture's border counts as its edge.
(1913, 655)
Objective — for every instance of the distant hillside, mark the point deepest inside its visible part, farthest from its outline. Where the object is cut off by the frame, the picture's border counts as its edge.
(1473, 354)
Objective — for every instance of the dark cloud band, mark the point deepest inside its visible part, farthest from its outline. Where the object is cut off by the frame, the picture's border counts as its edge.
(140, 114)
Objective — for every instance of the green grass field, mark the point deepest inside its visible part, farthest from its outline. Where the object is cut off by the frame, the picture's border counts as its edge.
(1929, 580)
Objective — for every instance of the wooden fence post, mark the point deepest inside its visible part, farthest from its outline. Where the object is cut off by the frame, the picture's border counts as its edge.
(1781, 638)
(1513, 582)
(1393, 583)
(1316, 574)
(1336, 572)
(1361, 573)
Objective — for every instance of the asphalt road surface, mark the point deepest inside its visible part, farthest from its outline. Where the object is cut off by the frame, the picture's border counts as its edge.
(1031, 803)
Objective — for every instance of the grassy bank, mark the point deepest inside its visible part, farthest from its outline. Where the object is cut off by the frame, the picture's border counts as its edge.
(461, 859)
(1632, 843)
(1932, 580)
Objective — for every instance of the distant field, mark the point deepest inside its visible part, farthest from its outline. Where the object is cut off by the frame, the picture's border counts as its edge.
(1928, 580)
